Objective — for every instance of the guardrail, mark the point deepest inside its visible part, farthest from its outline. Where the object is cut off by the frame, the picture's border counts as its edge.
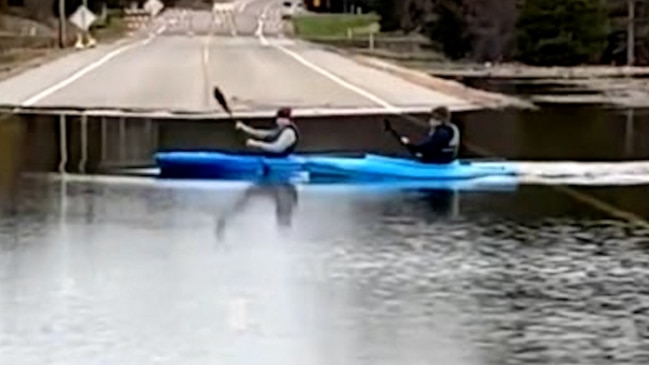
(372, 41)
(8, 42)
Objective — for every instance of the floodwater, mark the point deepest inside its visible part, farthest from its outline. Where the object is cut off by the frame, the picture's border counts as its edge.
(132, 270)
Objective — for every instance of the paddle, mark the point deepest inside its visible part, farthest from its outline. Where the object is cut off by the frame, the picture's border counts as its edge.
(388, 128)
(220, 98)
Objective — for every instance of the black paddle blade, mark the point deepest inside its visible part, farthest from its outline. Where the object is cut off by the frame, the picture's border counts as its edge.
(386, 125)
(220, 98)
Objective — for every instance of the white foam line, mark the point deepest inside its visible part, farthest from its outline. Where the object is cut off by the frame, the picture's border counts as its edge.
(389, 107)
(131, 178)
(79, 74)
(242, 5)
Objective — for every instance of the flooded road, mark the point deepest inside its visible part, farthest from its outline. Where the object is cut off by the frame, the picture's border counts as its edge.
(128, 270)
(132, 271)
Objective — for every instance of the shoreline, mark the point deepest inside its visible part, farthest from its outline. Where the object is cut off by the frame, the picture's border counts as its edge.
(429, 62)
(617, 86)
(483, 99)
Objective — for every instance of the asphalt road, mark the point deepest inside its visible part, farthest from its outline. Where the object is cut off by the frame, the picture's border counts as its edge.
(173, 65)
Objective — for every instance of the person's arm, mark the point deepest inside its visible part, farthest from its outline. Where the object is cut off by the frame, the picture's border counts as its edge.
(257, 133)
(285, 140)
(414, 149)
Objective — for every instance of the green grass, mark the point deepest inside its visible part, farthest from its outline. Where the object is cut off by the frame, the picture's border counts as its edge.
(115, 28)
(332, 25)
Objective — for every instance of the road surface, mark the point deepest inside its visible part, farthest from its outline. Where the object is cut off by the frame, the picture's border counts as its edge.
(173, 65)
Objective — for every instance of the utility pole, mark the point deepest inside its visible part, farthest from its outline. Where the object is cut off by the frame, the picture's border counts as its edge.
(61, 23)
(630, 34)
(85, 5)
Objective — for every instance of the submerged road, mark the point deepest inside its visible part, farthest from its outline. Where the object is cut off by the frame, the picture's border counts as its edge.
(132, 271)
(173, 65)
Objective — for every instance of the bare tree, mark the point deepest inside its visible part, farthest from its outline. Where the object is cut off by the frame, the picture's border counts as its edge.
(491, 25)
(488, 24)
(39, 9)
(415, 14)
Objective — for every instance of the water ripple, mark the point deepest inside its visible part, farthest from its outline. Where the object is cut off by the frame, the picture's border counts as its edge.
(131, 275)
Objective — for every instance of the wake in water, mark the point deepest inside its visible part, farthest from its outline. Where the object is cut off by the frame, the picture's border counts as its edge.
(584, 173)
(547, 173)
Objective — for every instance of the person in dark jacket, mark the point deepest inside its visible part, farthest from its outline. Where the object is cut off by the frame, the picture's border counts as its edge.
(442, 143)
(278, 142)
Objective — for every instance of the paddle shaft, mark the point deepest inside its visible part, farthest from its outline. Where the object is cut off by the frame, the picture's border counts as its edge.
(389, 129)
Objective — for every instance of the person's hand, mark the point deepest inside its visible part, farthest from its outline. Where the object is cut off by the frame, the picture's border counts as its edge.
(238, 125)
(405, 140)
(251, 143)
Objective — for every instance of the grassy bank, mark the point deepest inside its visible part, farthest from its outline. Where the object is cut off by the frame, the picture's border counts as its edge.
(114, 28)
(318, 26)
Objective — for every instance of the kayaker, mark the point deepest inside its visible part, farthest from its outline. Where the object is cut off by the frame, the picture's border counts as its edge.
(277, 142)
(442, 143)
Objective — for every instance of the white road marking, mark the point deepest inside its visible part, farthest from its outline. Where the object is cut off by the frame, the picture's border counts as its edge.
(151, 37)
(260, 32)
(161, 29)
(389, 107)
(206, 51)
(206, 69)
(337, 79)
(243, 4)
(79, 74)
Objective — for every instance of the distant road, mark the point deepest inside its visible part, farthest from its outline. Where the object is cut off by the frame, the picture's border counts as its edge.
(173, 65)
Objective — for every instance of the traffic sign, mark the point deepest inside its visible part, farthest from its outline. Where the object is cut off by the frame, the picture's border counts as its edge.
(83, 18)
(153, 7)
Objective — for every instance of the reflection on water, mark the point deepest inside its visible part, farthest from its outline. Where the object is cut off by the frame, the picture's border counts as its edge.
(283, 195)
(439, 203)
(116, 272)
(12, 135)
(581, 133)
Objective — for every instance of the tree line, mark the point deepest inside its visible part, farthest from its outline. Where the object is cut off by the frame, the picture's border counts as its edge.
(538, 32)
(44, 9)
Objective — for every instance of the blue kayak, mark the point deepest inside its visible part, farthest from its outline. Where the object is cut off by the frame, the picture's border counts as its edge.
(372, 167)
(208, 164)
(364, 167)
